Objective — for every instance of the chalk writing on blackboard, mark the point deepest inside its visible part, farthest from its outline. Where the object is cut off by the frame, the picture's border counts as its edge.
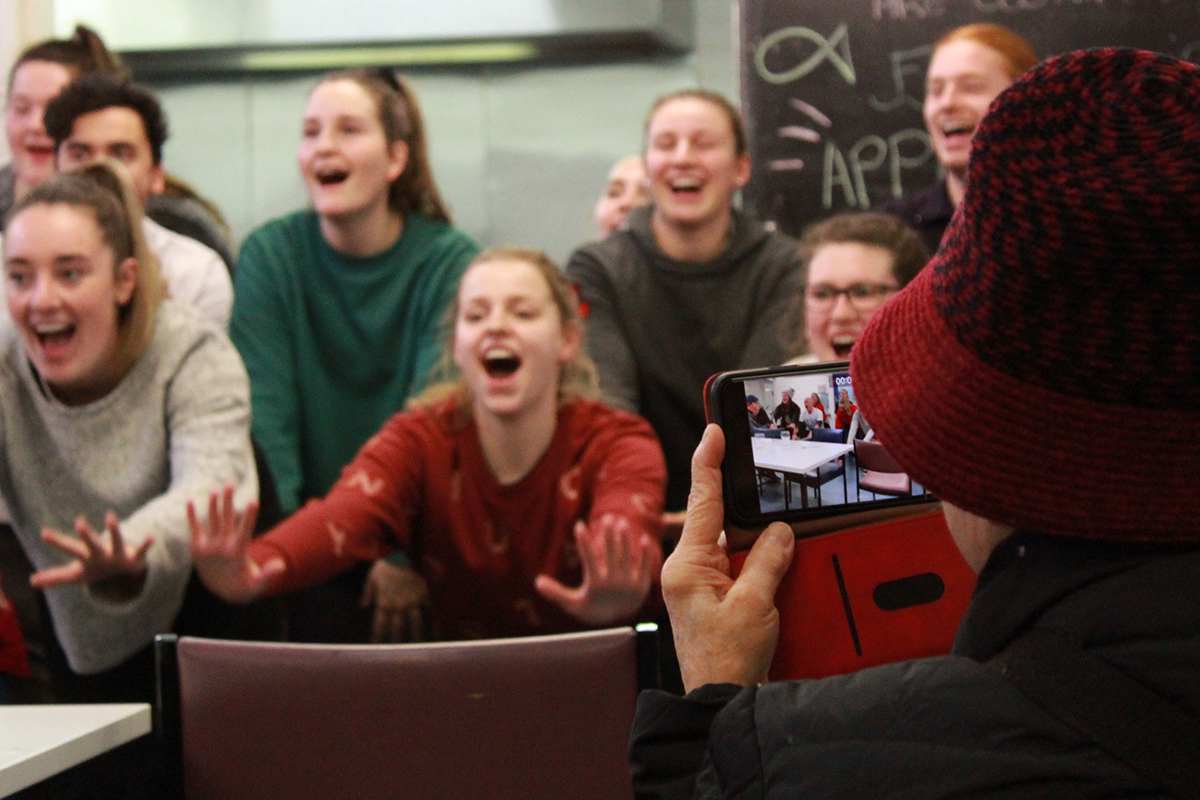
(900, 10)
(848, 171)
(911, 62)
(835, 50)
(1015, 6)
(859, 66)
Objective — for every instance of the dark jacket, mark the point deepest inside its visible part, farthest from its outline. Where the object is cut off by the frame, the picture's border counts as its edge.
(949, 726)
(658, 328)
(787, 413)
(928, 212)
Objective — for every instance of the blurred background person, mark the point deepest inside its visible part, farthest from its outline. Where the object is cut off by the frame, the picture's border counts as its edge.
(811, 417)
(40, 72)
(970, 65)
(36, 78)
(338, 312)
(103, 115)
(787, 413)
(849, 265)
(624, 189)
(693, 286)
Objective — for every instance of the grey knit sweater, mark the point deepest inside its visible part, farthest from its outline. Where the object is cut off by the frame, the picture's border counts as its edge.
(175, 427)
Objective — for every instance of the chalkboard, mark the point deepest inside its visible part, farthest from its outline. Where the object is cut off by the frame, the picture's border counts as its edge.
(832, 89)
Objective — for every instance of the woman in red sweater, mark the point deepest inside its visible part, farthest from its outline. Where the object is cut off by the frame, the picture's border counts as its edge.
(525, 505)
(845, 411)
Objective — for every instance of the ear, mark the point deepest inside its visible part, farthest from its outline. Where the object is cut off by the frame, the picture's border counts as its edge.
(743, 169)
(158, 179)
(572, 340)
(397, 160)
(125, 280)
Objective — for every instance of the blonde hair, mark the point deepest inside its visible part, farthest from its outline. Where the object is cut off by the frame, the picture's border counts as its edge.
(106, 191)
(576, 379)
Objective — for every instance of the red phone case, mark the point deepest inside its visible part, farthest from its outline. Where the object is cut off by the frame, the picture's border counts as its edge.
(869, 595)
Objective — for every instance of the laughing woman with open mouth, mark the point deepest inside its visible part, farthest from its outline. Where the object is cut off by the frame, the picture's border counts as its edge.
(115, 406)
(337, 307)
(527, 506)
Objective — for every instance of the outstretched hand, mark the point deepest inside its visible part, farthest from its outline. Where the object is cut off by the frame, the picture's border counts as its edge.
(619, 566)
(98, 559)
(220, 549)
(725, 630)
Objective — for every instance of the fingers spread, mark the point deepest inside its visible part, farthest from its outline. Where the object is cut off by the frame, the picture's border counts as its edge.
(54, 576)
(557, 593)
(67, 544)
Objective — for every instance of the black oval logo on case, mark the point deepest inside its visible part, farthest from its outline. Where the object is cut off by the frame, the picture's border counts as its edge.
(915, 590)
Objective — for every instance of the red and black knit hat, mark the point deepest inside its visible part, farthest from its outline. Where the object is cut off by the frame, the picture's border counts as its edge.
(1044, 370)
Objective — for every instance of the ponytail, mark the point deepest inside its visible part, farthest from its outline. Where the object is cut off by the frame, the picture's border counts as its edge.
(414, 189)
(84, 52)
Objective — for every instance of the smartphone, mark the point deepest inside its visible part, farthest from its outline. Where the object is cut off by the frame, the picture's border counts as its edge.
(797, 448)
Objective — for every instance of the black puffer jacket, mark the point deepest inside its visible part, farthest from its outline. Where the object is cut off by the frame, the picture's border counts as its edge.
(950, 726)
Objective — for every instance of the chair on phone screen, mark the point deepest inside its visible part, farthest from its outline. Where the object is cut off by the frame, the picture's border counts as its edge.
(826, 472)
(878, 472)
(538, 717)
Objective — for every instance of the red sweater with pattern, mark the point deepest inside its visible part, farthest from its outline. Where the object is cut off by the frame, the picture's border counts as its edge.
(422, 485)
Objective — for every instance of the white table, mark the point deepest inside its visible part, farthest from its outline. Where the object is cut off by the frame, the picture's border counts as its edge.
(39, 741)
(795, 458)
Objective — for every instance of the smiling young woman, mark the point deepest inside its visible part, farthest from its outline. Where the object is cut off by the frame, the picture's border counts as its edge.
(527, 507)
(850, 264)
(37, 76)
(336, 308)
(692, 286)
(115, 406)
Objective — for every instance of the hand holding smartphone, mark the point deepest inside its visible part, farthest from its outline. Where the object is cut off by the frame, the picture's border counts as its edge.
(886, 581)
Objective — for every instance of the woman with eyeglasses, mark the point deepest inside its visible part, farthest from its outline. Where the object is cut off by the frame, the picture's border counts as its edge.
(850, 264)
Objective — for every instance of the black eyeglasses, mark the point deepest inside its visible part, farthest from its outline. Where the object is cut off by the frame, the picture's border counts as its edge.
(860, 295)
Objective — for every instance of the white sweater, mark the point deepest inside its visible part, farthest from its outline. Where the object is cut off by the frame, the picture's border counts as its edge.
(175, 427)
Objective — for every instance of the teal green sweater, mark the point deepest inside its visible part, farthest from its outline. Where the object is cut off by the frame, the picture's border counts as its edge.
(335, 345)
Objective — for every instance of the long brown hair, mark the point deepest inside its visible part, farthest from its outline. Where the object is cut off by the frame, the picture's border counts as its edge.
(576, 379)
(396, 103)
(105, 190)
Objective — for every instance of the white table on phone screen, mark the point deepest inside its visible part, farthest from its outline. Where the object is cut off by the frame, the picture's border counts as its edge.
(39, 741)
(798, 458)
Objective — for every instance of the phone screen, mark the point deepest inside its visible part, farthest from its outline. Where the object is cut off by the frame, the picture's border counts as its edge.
(797, 447)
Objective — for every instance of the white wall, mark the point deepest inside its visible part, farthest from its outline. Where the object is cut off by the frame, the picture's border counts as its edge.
(519, 154)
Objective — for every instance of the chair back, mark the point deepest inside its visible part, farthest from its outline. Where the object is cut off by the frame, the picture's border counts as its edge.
(540, 717)
(829, 435)
(872, 456)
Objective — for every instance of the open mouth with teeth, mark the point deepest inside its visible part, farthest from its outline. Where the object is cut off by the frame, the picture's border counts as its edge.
(686, 186)
(500, 362)
(52, 338)
(842, 345)
(332, 177)
(958, 130)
